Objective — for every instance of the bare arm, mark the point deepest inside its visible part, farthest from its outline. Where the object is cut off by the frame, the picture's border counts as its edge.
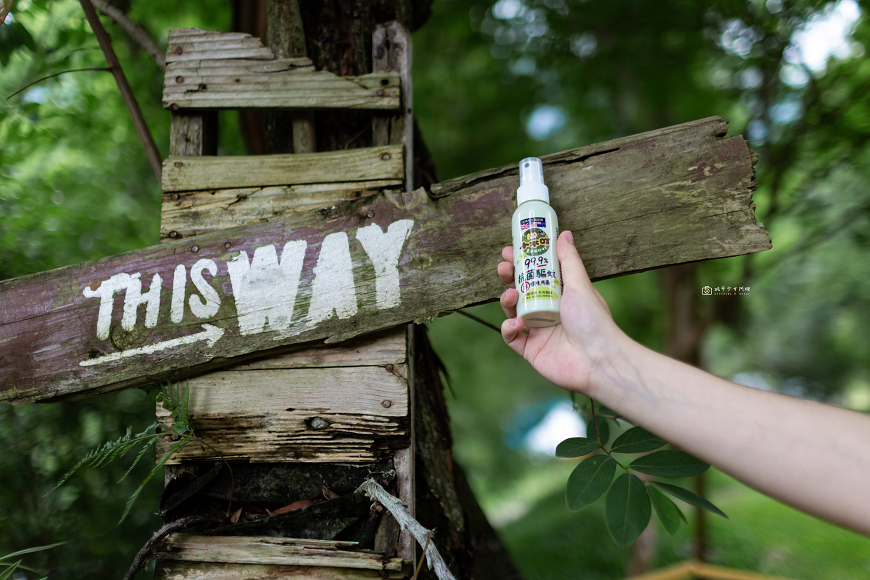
(811, 456)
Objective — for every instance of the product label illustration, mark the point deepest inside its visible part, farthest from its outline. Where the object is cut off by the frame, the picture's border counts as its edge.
(535, 222)
(535, 242)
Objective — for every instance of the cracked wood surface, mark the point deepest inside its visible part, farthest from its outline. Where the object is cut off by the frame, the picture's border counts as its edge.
(274, 557)
(357, 165)
(666, 197)
(212, 70)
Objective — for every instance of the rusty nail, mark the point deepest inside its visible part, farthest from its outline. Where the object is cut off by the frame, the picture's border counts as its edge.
(371, 214)
(178, 49)
(175, 437)
(385, 156)
(228, 245)
(387, 404)
(176, 197)
(380, 92)
(173, 234)
(179, 164)
(194, 249)
(179, 79)
(389, 368)
(174, 107)
(203, 86)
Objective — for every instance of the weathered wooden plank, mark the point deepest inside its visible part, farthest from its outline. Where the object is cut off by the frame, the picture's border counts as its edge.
(676, 195)
(376, 349)
(292, 88)
(276, 551)
(352, 414)
(190, 213)
(211, 70)
(175, 570)
(355, 165)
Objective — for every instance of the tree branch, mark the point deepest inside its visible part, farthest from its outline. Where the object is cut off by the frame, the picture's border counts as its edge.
(124, 87)
(135, 31)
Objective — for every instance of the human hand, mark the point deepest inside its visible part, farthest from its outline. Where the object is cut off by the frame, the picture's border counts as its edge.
(570, 353)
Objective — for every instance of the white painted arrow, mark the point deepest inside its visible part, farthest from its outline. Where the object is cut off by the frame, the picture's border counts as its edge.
(211, 333)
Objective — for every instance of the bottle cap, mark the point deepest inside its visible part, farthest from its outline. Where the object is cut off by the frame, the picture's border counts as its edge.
(532, 182)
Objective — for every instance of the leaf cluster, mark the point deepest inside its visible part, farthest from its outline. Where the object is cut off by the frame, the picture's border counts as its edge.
(630, 500)
(174, 399)
(9, 568)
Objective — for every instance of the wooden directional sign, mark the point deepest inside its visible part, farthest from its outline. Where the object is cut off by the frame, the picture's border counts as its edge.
(670, 196)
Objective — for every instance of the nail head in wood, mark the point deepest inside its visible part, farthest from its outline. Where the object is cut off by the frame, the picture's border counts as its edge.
(179, 164)
(387, 404)
(179, 79)
(173, 234)
(389, 368)
(385, 156)
(176, 197)
(178, 50)
(370, 214)
(381, 92)
(194, 249)
(228, 245)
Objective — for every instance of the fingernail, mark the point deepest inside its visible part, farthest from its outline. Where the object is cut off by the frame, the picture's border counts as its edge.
(569, 236)
(518, 321)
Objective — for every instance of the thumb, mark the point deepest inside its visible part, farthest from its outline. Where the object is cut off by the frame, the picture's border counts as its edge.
(573, 272)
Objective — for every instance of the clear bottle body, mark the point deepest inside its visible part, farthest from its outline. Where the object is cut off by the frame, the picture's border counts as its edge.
(537, 274)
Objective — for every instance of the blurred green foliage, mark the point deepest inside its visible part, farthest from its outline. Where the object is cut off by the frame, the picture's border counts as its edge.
(494, 82)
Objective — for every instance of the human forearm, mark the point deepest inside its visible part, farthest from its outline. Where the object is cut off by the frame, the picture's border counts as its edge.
(787, 448)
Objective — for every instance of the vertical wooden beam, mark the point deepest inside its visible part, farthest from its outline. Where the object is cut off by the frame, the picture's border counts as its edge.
(287, 40)
(193, 133)
(391, 50)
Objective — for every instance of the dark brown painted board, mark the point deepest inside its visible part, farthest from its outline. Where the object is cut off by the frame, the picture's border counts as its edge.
(666, 197)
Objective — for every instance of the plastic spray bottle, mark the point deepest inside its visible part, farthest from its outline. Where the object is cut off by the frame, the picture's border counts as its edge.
(536, 268)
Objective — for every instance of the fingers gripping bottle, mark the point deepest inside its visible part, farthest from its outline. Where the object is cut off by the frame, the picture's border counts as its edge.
(536, 267)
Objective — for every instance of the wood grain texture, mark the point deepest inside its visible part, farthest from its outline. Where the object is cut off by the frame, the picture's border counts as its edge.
(277, 551)
(355, 165)
(190, 213)
(352, 414)
(665, 197)
(179, 570)
(210, 70)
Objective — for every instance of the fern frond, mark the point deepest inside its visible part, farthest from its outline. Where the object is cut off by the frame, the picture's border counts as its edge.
(142, 451)
(178, 445)
(111, 450)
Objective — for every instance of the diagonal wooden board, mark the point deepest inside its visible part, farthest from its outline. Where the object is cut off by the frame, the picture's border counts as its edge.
(665, 197)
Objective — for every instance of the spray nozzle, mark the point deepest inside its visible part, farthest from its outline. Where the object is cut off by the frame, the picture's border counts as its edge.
(531, 171)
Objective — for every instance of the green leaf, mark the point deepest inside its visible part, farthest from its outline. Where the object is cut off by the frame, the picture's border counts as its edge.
(589, 481)
(636, 440)
(669, 463)
(666, 511)
(603, 429)
(8, 572)
(178, 445)
(626, 509)
(32, 550)
(689, 497)
(576, 447)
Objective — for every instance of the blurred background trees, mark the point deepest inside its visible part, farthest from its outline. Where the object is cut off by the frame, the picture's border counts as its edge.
(494, 82)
